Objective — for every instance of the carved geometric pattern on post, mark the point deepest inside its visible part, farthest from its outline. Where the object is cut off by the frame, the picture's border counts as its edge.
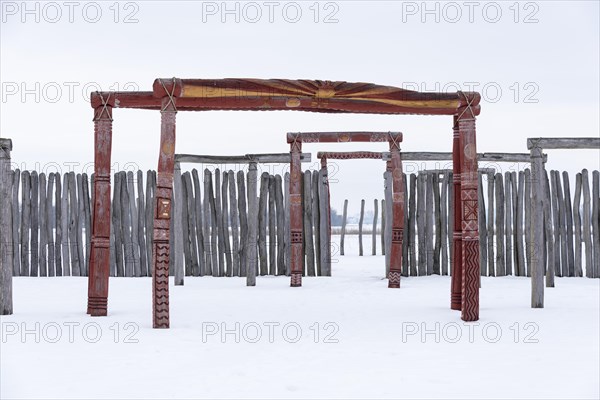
(468, 194)
(397, 235)
(164, 209)
(469, 227)
(379, 137)
(394, 279)
(469, 210)
(470, 281)
(161, 286)
(311, 138)
(296, 236)
(296, 279)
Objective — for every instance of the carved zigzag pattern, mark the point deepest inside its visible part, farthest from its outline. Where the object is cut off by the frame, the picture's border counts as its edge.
(470, 281)
(161, 286)
(394, 279)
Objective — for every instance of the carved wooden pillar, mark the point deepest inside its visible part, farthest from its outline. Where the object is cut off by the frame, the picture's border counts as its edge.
(397, 213)
(469, 207)
(100, 252)
(163, 206)
(456, 296)
(296, 213)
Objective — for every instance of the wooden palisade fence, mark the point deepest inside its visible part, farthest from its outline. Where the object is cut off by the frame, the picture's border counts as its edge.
(51, 214)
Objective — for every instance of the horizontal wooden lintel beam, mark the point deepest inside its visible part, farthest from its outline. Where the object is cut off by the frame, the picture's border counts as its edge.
(563, 143)
(269, 158)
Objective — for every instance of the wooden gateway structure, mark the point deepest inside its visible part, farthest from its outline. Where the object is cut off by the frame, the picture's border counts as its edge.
(172, 95)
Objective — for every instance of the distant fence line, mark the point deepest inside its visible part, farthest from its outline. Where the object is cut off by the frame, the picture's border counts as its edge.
(571, 224)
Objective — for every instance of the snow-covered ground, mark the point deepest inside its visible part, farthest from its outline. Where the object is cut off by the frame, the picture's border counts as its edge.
(347, 336)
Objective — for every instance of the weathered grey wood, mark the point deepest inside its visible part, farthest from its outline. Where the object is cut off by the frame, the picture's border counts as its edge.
(278, 158)
(16, 222)
(173, 239)
(344, 220)
(437, 248)
(280, 225)
(405, 244)
(126, 228)
(225, 224)
(388, 190)
(79, 225)
(219, 223)
(587, 224)
(429, 223)
(200, 221)
(577, 226)
(43, 244)
(133, 213)
(112, 251)
(235, 221)
(557, 222)
(35, 224)
(118, 230)
(549, 234)
(190, 205)
(563, 143)
(422, 260)
(242, 209)
(515, 195)
(451, 219)
(569, 224)
(87, 220)
(382, 233)
(59, 226)
(527, 229)
(536, 226)
(508, 240)
(272, 229)
(490, 223)
(499, 199)
(596, 221)
(262, 224)
(324, 222)
(182, 230)
(374, 232)
(412, 225)
(6, 253)
(25, 221)
(252, 226)
(316, 221)
(214, 230)
(150, 185)
(287, 243)
(50, 223)
(141, 217)
(308, 224)
(73, 224)
(483, 231)
(520, 229)
(482, 157)
(444, 223)
(564, 260)
(360, 227)
(209, 244)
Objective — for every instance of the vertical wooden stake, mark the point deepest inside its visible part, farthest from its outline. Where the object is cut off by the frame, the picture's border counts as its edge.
(6, 257)
(536, 229)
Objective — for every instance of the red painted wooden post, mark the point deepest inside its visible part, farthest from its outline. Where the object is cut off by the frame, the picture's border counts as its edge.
(296, 214)
(397, 212)
(99, 256)
(456, 296)
(469, 206)
(163, 205)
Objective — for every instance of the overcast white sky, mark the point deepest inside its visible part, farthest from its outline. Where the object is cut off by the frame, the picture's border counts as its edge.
(535, 63)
